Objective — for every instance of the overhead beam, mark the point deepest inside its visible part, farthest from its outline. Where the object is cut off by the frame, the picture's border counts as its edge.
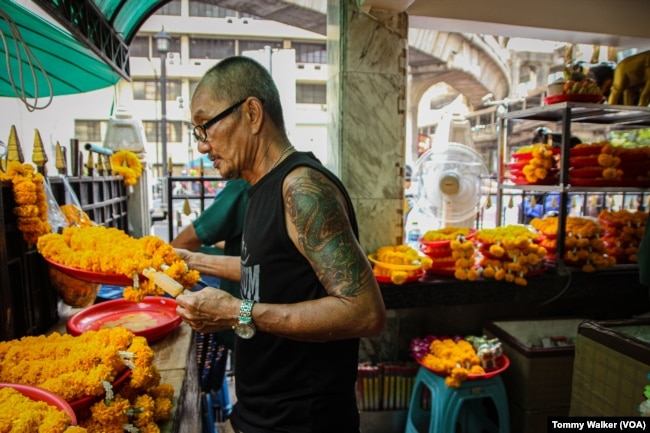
(88, 25)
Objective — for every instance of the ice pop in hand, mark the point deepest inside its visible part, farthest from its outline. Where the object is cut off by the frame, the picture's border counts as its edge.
(164, 281)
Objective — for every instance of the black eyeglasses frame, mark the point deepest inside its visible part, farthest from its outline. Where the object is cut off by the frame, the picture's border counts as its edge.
(202, 129)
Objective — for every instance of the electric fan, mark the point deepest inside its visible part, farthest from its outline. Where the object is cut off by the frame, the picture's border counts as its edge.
(449, 180)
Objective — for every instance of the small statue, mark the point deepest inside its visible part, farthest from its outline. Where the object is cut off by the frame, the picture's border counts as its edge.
(631, 81)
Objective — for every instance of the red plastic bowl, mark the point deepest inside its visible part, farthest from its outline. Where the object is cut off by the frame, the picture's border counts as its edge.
(383, 279)
(39, 394)
(153, 318)
(503, 363)
(93, 277)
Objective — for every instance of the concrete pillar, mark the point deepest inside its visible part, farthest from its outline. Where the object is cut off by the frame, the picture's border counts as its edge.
(366, 100)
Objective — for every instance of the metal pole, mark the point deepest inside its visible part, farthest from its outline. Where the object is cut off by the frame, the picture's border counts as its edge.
(163, 111)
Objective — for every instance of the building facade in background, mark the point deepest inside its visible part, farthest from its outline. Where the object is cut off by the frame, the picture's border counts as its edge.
(201, 35)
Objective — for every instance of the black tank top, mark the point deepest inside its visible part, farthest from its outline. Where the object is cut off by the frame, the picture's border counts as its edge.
(285, 385)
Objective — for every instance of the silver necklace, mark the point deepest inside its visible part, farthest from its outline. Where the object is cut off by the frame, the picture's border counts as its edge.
(277, 161)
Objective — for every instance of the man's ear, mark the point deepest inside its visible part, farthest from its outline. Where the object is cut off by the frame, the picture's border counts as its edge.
(255, 114)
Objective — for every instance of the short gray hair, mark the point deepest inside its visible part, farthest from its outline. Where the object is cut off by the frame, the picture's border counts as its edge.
(238, 77)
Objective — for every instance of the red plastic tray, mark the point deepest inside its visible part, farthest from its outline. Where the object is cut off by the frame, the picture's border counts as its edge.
(447, 272)
(503, 361)
(438, 264)
(153, 318)
(525, 156)
(93, 277)
(586, 172)
(436, 253)
(445, 243)
(517, 165)
(386, 280)
(586, 150)
(551, 180)
(39, 394)
(554, 99)
(584, 161)
(522, 156)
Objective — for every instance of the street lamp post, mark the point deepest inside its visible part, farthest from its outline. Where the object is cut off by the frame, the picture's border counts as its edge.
(163, 41)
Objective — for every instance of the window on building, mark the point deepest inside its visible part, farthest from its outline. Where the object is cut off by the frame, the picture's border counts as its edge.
(88, 130)
(200, 8)
(310, 53)
(152, 131)
(311, 93)
(171, 8)
(139, 46)
(202, 48)
(254, 45)
(148, 89)
(174, 45)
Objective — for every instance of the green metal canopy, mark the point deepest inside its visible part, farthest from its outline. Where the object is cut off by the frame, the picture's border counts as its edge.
(87, 51)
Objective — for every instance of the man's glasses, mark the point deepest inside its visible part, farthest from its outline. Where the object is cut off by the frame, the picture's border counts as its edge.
(200, 131)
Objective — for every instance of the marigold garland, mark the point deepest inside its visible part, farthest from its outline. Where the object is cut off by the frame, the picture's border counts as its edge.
(453, 358)
(622, 233)
(31, 202)
(463, 251)
(509, 253)
(539, 165)
(112, 251)
(583, 245)
(446, 234)
(75, 367)
(126, 164)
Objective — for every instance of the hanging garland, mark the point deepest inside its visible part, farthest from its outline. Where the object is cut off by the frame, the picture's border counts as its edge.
(31, 202)
(126, 164)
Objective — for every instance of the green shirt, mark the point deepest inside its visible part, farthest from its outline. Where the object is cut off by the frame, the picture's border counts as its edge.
(223, 220)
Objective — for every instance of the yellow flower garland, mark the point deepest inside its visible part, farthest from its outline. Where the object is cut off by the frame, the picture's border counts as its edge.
(463, 251)
(456, 360)
(512, 252)
(75, 367)
(582, 241)
(127, 164)
(446, 234)
(112, 251)
(541, 162)
(31, 203)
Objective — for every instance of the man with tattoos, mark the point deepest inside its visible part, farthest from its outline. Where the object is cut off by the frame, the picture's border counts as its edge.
(308, 291)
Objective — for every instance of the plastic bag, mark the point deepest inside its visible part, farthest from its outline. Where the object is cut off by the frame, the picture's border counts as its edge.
(72, 209)
(55, 215)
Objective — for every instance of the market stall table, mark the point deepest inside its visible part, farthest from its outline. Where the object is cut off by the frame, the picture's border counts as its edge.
(175, 358)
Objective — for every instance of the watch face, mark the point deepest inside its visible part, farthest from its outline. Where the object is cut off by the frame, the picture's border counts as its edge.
(245, 330)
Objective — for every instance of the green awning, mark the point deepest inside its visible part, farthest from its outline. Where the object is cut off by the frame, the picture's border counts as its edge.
(66, 63)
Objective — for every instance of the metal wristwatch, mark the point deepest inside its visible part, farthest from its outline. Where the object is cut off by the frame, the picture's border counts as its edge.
(245, 327)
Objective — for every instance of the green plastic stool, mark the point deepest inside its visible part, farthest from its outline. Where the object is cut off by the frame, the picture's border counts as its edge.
(477, 406)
